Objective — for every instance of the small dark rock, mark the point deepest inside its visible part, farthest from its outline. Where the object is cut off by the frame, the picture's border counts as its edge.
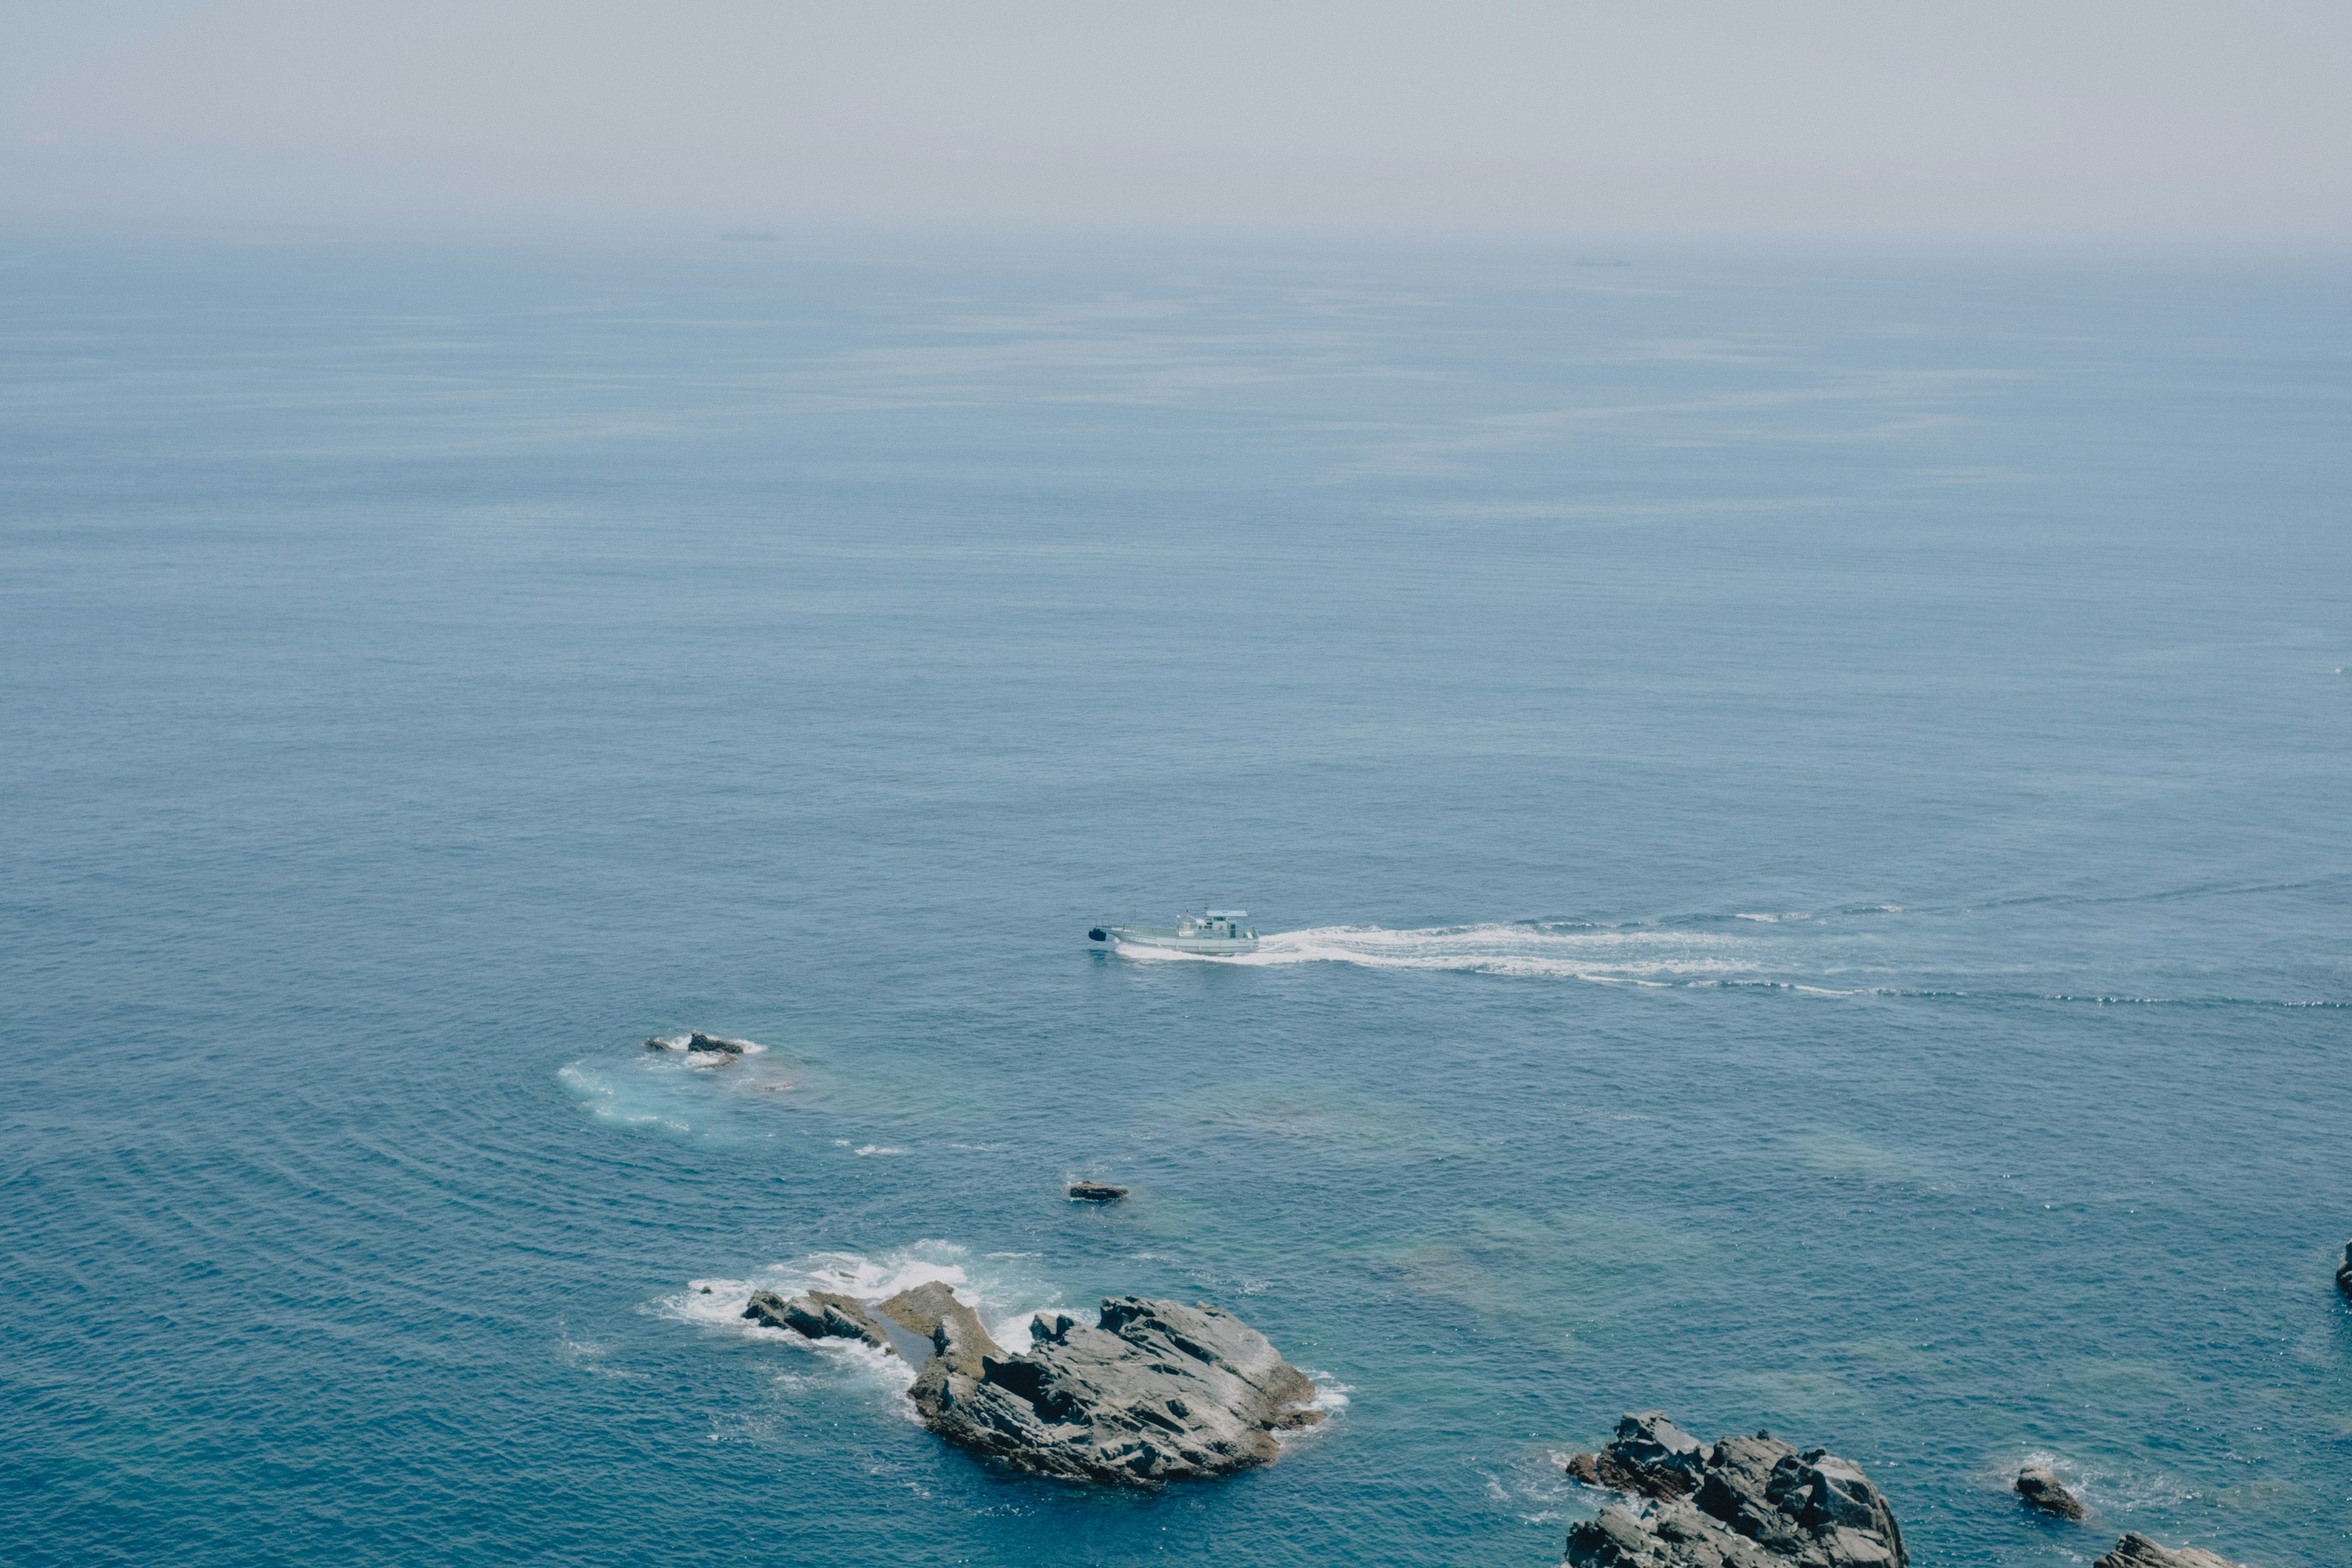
(2137, 1551)
(1581, 1468)
(698, 1041)
(2042, 1490)
(1097, 1191)
(705, 1289)
(2344, 1271)
(655, 1043)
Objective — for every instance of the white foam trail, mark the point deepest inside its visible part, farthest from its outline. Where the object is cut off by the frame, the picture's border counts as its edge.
(1629, 955)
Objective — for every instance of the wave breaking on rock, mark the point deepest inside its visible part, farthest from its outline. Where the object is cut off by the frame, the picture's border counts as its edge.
(1152, 1392)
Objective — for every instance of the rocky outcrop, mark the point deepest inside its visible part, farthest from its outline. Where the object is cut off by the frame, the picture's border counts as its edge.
(698, 1041)
(1097, 1191)
(818, 1315)
(1153, 1391)
(2137, 1551)
(2344, 1271)
(2043, 1491)
(1744, 1503)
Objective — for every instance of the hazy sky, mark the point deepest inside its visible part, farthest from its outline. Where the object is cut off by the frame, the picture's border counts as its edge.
(1832, 118)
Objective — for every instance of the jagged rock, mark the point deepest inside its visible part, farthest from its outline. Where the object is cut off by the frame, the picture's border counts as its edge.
(2042, 1490)
(1155, 1391)
(955, 1330)
(1097, 1191)
(1747, 1503)
(2137, 1551)
(817, 1315)
(958, 1343)
(2344, 1271)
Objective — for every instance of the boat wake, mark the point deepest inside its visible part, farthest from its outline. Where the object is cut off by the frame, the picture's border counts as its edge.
(1619, 956)
(1864, 950)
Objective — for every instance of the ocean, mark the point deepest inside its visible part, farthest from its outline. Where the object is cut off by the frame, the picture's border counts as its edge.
(1800, 807)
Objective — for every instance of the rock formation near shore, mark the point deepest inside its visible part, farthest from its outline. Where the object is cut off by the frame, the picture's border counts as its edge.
(2137, 1551)
(1744, 1503)
(817, 1315)
(1154, 1391)
(2043, 1491)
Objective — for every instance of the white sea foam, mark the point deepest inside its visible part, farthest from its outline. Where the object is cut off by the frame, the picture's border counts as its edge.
(2126, 1490)
(708, 1058)
(1619, 956)
(998, 1287)
(1331, 1398)
(606, 1101)
(673, 1090)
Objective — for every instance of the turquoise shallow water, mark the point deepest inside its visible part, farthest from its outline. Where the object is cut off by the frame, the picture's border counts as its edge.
(1803, 803)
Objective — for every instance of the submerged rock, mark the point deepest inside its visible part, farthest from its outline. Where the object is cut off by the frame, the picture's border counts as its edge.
(1097, 1191)
(2042, 1490)
(2137, 1551)
(2344, 1271)
(1153, 1391)
(1747, 1503)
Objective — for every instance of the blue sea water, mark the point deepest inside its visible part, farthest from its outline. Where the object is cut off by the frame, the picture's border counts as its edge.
(1802, 808)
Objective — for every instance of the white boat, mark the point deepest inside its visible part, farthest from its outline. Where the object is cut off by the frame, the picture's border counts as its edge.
(1213, 931)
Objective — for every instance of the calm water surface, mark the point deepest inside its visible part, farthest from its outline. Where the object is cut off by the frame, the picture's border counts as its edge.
(1805, 805)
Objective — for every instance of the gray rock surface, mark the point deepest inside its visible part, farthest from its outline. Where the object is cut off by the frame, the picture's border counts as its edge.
(1097, 1191)
(1745, 1502)
(2042, 1490)
(818, 1315)
(1154, 1391)
(2137, 1551)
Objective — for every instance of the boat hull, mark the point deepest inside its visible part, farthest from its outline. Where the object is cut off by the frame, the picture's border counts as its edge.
(1169, 942)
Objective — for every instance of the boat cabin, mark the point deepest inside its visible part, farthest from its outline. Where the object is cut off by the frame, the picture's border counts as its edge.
(1216, 924)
